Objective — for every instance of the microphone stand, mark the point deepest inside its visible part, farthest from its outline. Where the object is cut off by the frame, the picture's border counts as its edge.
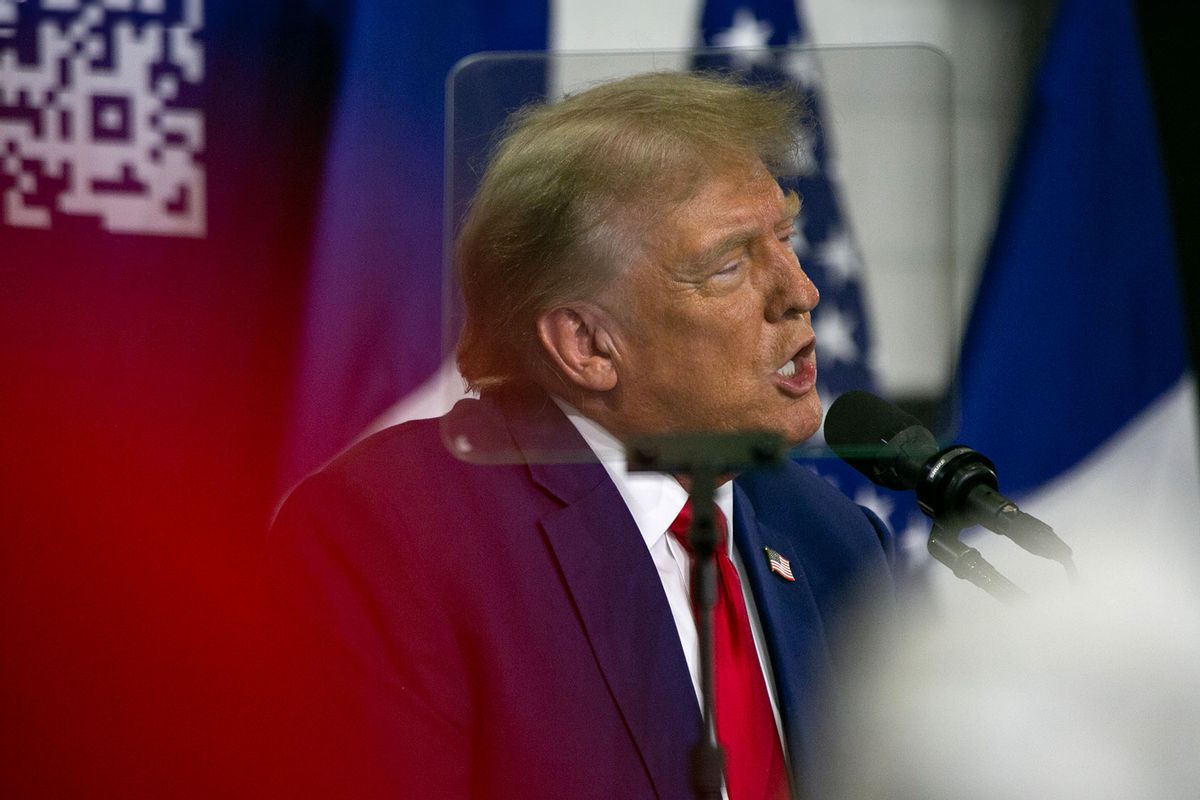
(702, 458)
(969, 564)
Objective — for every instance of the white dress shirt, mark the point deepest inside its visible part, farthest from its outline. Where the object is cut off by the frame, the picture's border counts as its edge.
(654, 500)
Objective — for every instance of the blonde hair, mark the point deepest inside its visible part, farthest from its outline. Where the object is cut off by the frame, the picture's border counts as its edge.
(557, 210)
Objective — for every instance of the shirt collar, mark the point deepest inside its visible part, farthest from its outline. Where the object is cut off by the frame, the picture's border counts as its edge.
(654, 499)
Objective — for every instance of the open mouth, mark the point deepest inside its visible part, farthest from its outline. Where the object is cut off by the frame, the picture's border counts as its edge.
(798, 375)
(790, 366)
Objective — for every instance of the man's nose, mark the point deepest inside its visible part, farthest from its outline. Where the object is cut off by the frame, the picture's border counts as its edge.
(790, 292)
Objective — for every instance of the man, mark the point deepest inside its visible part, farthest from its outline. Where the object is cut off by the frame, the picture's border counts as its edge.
(522, 629)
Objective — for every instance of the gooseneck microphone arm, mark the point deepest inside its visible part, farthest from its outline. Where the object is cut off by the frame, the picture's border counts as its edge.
(959, 486)
(955, 486)
(969, 564)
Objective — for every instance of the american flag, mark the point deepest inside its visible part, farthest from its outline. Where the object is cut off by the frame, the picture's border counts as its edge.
(779, 565)
(767, 41)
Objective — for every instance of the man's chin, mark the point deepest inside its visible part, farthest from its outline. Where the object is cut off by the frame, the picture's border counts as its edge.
(804, 419)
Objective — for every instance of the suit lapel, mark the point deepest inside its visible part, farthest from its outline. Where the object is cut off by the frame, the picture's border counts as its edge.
(792, 627)
(616, 590)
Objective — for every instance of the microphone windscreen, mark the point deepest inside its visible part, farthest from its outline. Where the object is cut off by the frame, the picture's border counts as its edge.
(859, 424)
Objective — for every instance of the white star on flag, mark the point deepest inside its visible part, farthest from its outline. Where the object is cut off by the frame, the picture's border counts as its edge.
(801, 65)
(881, 504)
(797, 240)
(747, 37)
(915, 536)
(839, 256)
(806, 163)
(835, 335)
(826, 396)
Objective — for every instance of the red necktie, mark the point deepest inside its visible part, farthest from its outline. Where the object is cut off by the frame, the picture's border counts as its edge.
(754, 766)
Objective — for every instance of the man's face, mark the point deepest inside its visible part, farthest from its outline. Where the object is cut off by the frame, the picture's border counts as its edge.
(715, 331)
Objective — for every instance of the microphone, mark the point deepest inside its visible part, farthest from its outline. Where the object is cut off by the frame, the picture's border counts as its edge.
(955, 486)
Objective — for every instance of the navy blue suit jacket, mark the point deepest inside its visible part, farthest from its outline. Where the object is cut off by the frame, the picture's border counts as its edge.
(501, 631)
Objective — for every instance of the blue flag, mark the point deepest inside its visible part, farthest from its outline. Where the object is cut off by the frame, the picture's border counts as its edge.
(1074, 374)
(371, 320)
(1078, 324)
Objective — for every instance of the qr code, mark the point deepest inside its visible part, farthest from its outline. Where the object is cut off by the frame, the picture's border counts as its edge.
(101, 114)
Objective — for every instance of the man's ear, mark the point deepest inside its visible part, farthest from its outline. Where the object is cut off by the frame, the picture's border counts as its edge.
(579, 343)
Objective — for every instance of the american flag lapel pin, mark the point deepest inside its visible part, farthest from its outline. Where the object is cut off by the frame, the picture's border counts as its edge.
(779, 565)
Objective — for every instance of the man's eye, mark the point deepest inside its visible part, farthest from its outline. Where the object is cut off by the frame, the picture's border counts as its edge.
(730, 268)
(787, 235)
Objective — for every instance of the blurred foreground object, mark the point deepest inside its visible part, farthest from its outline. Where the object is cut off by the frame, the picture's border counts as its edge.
(1089, 695)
